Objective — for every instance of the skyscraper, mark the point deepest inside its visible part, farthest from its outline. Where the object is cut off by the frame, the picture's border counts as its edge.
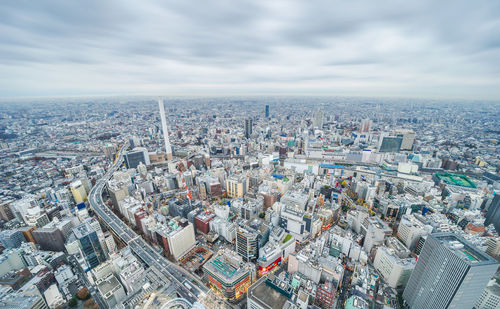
(248, 127)
(168, 148)
(267, 111)
(89, 244)
(365, 125)
(493, 214)
(450, 273)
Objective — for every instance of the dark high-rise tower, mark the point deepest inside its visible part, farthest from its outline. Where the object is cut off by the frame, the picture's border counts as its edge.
(493, 214)
(450, 273)
(267, 111)
(89, 245)
(248, 127)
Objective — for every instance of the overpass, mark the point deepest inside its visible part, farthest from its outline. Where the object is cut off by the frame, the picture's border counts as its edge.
(177, 275)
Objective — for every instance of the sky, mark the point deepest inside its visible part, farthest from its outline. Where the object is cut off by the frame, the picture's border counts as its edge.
(435, 49)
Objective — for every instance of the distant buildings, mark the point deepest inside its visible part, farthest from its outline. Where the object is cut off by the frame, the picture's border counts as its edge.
(450, 273)
(391, 144)
(248, 127)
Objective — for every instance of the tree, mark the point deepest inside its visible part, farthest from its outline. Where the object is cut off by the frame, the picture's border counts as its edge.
(90, 304)
(83, 294)
(72, 302)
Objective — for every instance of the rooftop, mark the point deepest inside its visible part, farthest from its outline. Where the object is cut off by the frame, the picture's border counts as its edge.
(463, 249)
(227, 266)
(456, 180)
(82, 230)
(266, 296)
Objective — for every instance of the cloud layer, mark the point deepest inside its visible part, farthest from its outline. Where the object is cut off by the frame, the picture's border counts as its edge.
(444, 49)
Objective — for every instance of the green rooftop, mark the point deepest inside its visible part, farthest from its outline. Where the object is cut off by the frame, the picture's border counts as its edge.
(287, 238)
(456, 180)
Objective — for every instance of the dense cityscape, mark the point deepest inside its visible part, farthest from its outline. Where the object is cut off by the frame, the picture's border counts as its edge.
(252, 202)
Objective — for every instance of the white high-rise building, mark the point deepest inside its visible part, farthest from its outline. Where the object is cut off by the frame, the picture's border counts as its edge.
(168, 148)
(394, 270)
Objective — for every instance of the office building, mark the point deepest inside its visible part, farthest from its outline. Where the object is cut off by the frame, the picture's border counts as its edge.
(53, 297)
(202, 222)
(247, 243)
(267, 111)
(110, 151)
(493, 213)
(410, 230)
(26, 298)
(79, 192)
(11, 260)
(394, 270)
(490, 297)
(89, 244)
(27, 232)
(5, 211)
(136, 156)
(176, 238)
(11, 239)
(375, 231)
(365, 126)
(111, 290)
(248, 127)
(450, 273)
(50, 238)
(408, 138)
(228, 275)
(237, 186)
(391, 144)
(325, 295)
(118, 191)
(493, 246)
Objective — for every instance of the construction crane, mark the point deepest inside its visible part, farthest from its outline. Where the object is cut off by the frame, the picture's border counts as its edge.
(185, 187)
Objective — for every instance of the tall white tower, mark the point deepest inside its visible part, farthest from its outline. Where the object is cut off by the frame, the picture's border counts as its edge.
(168, 148)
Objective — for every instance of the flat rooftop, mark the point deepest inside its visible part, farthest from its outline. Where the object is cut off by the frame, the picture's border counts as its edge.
(463, 249)
(266, 296)
(227, 266)
(456, 180)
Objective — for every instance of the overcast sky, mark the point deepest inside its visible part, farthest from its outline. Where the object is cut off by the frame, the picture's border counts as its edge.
(448, 49)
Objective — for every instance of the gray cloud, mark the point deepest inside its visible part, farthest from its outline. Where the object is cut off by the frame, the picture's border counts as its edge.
(420, 48)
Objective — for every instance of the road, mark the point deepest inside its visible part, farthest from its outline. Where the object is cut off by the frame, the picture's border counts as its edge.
(178, 276)
(90, 287)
